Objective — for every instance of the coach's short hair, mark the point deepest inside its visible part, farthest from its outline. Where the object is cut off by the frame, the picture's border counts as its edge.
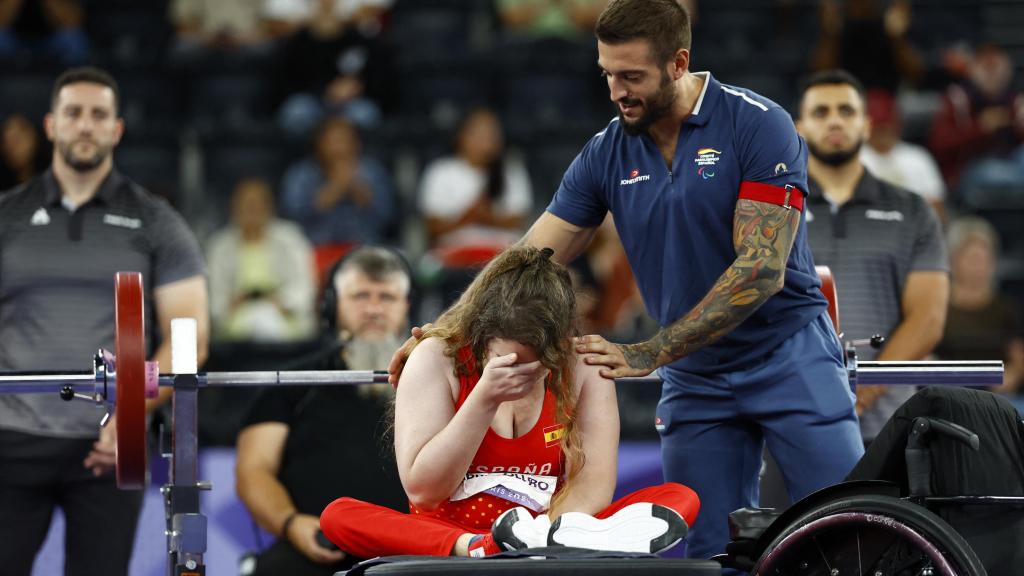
(664, 23)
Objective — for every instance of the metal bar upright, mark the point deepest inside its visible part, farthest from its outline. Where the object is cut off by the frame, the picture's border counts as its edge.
(186, 525)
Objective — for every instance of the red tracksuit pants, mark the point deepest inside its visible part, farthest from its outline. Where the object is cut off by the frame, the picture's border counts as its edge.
(365, 530)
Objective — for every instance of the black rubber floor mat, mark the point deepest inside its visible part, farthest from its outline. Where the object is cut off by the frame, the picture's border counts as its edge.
(567, 562)
(549, 567)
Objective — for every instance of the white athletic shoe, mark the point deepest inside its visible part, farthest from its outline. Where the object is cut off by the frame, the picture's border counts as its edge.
(640, 527)
(516, 529)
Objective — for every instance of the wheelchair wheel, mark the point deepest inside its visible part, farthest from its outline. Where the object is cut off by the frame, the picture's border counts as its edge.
(869, 536)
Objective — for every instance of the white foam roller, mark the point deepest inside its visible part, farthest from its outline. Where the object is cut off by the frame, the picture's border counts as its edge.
(184, 346)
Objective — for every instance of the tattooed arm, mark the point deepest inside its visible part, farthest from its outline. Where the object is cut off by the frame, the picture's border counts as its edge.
(763, 236)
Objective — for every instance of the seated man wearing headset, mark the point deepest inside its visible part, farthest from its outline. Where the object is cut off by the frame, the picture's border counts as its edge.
(301, 448)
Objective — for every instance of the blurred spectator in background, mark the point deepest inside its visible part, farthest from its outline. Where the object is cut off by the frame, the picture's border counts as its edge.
(261, 272)
(333, 63)
(301, 448)
(977, 133)
(480, 196)
(219, 25)
(890, 158)
(338, 195)
(571, 20)
(954, 62)
(22, 151)
(475, 201)
(47, 31)
(618, 310)
(869, 41)
(365, 17)
(982, 323)
(546, 45)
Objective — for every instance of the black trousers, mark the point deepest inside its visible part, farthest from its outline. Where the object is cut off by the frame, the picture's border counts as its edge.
(38, 474)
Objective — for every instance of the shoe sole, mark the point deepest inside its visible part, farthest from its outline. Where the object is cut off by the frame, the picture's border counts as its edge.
(503, 533)
(641, 527)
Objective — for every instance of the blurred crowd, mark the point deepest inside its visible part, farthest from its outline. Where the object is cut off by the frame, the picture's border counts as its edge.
(290, 131)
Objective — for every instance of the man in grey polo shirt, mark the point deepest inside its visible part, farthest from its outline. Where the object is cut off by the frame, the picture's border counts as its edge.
(63, 235)
(883, 243)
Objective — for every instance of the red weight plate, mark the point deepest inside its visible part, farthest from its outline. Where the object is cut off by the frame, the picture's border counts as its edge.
(130, 348)
(828, 288)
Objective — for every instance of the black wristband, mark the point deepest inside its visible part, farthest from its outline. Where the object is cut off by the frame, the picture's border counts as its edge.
(287, 523)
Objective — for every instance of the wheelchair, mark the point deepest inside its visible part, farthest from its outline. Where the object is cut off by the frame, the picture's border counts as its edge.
(919, 503)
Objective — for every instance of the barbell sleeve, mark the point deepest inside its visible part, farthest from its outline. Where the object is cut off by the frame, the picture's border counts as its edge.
(977, 373)
(31, 382)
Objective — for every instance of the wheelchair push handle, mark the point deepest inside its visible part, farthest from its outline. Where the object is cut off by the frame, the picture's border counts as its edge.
(918, 456)
(957, 432)
(923, 425)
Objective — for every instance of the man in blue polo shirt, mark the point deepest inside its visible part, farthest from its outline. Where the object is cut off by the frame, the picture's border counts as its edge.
(706, 184)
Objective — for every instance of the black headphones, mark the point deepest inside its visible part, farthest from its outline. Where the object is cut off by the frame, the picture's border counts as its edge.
(329, 300)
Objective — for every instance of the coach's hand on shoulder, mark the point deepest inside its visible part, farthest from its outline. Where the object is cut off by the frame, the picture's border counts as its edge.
(302, 534)
(402, 354)
(620, 360)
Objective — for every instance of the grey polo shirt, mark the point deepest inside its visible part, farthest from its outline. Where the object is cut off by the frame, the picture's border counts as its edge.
(871, 243)
(57, 286)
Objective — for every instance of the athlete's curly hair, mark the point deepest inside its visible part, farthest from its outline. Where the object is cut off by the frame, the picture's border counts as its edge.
(524, 296)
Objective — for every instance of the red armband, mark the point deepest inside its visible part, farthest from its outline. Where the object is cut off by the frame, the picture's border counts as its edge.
(787, 196)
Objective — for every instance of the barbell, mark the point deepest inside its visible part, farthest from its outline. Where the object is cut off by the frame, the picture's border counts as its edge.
(124, 380)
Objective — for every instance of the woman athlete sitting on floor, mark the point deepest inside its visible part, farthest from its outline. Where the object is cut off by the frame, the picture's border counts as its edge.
(505, 439)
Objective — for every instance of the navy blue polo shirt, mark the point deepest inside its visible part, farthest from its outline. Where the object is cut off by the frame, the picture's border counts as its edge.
(677, 224)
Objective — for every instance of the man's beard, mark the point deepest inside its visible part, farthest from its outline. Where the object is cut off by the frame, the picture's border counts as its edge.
(655, 108)
(835, 158)
(362, 354)
(79, 164)
(371, 355)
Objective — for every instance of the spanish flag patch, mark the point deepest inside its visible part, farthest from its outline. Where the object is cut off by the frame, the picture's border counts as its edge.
(553, 435)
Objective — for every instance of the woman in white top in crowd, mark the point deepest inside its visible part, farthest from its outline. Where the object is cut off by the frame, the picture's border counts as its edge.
(480, 196)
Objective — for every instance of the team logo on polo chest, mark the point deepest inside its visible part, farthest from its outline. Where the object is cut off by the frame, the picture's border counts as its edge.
(122, 221)
(885, 215)
(706, 160)
(40, 218)
(634, 177)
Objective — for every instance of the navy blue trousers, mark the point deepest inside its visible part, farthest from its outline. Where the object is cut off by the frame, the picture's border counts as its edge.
(714, 427)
